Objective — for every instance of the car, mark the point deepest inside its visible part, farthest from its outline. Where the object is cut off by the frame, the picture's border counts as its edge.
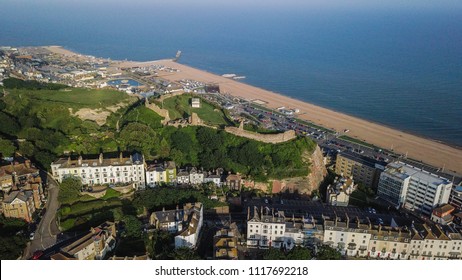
(266, 201)
(31, 235)
(37, 254)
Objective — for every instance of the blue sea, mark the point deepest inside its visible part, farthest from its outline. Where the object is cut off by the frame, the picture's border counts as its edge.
(392, 64)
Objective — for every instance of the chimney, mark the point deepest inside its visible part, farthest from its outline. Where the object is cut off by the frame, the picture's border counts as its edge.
(27, 163)
(380, 228)
(313, 221)
(357, 221)
(163, 209)
(80, 160)
(248, 213)
(101, 158)
(261, 211)
(293, 219)
(347, 220)
(336, 219)
(69, 160)
(121, 157)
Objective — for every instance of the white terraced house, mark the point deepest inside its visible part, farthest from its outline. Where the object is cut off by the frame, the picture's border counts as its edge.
(107, 169)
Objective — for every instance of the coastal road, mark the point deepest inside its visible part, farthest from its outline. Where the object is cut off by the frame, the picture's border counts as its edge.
(47, 230)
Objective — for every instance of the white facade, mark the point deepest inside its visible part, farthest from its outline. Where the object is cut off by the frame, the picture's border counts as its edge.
(155, 175)
(102, 170)
(190, 234)
(196, 177)
(412, 188)
(213, 179)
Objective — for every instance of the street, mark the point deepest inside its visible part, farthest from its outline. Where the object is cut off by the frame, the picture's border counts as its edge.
(47, 230)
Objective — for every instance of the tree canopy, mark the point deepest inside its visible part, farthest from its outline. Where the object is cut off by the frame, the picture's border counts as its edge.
(69, 190)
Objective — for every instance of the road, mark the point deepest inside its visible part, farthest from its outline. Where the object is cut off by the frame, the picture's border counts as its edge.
(47, 230)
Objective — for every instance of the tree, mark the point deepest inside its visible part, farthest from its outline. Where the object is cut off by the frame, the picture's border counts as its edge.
(69, 190)
(132, 226)
(274, 254)
(7, 148)
(160, 244)
(299, 253)
(184, 253)
(328, 253)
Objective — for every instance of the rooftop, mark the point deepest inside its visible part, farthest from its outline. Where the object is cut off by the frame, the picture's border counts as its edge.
(403, 171)
(110, 159)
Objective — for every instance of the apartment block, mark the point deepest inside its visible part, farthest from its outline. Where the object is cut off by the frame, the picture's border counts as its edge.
(418, 190)
(365, 170)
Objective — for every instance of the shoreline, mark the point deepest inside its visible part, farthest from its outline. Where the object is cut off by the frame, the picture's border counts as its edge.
(430, 151)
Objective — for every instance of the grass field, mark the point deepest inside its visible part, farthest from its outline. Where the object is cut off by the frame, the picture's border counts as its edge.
(180, 107)
(75, 98)
(141, 114)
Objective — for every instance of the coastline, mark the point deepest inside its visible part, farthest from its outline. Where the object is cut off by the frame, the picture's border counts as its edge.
(427, 150)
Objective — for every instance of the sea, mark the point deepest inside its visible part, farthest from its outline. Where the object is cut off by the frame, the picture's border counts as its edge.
(397, 65)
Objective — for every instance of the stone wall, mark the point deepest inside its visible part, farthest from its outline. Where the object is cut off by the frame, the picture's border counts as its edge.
(266, 138)
(161, 112)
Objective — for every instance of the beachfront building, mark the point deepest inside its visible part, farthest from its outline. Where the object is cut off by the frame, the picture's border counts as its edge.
(365, 170)
(406, 186)
(193, 220)
(104, 169)
(338, 193)
(455, 199)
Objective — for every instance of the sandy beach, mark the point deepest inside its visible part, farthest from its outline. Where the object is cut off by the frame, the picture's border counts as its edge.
(426, 150)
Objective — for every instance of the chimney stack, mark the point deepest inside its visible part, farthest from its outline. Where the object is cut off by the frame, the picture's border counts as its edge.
(27, 163)
(101, 158)
(121, 157)
(347, 220)
(248, 213)
(80, 160)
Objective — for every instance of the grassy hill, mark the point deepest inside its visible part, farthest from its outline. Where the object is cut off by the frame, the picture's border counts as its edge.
(180, 107)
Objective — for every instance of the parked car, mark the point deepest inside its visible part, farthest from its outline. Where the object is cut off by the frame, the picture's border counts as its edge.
(37, 255)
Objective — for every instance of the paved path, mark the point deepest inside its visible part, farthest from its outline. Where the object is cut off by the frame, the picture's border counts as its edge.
(47, 230)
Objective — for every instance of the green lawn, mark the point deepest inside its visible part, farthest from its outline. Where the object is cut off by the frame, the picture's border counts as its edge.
(141, 114)
(74, 97)
(180, 107)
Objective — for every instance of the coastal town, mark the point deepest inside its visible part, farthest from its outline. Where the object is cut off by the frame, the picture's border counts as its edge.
(216, 174)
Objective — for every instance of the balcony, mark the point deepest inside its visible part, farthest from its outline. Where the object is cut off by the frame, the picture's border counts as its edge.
(351, 246)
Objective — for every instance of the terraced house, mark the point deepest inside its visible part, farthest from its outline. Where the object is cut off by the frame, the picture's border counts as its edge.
(102, 169)
(357, 237)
